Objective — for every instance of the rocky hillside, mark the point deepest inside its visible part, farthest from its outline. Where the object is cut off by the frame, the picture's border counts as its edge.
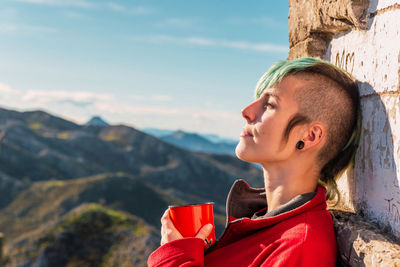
(50, 166)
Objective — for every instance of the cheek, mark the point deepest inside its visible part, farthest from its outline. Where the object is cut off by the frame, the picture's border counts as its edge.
(265, 131)
(270, 133)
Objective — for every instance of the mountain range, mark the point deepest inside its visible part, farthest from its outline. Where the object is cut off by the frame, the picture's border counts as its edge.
(210, 137)
(97, 120)
(196, 142)
(101, 186)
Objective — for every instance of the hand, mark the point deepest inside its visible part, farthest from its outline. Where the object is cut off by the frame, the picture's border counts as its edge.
(170, 233)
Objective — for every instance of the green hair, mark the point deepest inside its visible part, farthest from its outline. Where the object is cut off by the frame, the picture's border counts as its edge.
(280, 70)
(345, 157)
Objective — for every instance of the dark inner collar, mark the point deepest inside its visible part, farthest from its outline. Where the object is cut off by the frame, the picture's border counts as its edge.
(245, 201)
(291, 205)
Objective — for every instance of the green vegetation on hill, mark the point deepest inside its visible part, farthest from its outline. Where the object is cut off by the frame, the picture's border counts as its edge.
(90, 235)
(46, 202)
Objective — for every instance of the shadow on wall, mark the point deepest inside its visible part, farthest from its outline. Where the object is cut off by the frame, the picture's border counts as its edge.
(374, 190)
(374, 185)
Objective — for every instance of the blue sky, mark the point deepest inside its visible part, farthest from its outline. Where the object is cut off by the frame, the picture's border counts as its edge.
(188, 65)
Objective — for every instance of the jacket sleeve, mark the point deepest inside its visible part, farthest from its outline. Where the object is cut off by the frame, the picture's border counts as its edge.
(185, 252)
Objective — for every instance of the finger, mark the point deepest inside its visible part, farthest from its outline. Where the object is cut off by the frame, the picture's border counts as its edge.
(164, 227)
(165, 215)
(205, 231)
(169, 235)
(168, 229)
(166, 221)
(171, 230)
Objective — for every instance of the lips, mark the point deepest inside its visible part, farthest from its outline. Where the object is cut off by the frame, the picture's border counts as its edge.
(246, 133)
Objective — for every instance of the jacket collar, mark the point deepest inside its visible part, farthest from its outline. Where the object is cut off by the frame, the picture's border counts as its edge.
(244, 202)
(247, 202)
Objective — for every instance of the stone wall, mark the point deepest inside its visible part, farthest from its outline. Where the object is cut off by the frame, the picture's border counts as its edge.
(312, 23)
(362, 243)
(362, 37)
(372, 56)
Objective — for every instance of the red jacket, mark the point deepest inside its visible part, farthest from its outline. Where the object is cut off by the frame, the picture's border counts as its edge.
(302, 236)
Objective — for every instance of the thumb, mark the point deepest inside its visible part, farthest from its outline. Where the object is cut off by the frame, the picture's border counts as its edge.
(205, 231)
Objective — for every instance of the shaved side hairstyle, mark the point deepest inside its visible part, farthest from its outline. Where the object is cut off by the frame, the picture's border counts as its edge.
(331, 97)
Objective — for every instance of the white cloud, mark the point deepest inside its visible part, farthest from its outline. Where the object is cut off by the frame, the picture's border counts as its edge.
(262, 21)
(261, 47)
(201, 41)
(71, 3)
(162, 98)
(113, 6)
(37, 29)
(116, 7)
(6, 89)
(12, 28)
(124, 109)
(8, 94)
(8, 28)
(43, 97)
(156, 98)
(75, 15)
(138, 97)
(137, 10)
(182, 23)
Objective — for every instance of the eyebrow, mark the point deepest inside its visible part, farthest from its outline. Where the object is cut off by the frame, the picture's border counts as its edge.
(266, 93)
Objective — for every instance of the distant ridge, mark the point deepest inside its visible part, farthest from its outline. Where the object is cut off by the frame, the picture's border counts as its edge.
(97, 121)
(157, 132)
(210, 137)
(197, 142)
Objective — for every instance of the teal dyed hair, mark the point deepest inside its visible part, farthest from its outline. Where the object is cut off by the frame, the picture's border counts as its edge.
(280, 70)
(345, 154)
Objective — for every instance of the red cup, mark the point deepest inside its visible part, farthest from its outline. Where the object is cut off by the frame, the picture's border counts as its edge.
(189, 219)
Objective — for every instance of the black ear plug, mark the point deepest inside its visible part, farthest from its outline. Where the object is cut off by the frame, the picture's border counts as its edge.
(300, 145)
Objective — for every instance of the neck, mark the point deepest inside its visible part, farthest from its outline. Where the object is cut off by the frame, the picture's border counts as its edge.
(283, 184)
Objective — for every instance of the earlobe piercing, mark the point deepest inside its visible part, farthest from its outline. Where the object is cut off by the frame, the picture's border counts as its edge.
(300, 145)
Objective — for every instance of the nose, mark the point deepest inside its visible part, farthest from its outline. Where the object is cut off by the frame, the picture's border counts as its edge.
(249, 112)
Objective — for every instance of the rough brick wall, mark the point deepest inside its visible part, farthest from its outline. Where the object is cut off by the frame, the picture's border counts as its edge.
(362, 37)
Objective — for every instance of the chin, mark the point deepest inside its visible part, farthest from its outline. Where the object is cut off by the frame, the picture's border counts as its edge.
(244, 155)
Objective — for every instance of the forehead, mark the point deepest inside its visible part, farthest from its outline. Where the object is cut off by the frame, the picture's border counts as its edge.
(286, 89)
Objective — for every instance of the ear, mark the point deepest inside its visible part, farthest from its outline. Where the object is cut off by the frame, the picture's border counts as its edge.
(314, 136)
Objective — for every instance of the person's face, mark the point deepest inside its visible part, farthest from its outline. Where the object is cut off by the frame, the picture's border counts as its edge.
(262, 139)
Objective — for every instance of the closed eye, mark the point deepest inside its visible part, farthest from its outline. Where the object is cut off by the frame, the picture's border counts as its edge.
(269, 106)
(267, 103)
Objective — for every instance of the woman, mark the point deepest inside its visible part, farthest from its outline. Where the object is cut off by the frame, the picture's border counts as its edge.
(303, 128)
